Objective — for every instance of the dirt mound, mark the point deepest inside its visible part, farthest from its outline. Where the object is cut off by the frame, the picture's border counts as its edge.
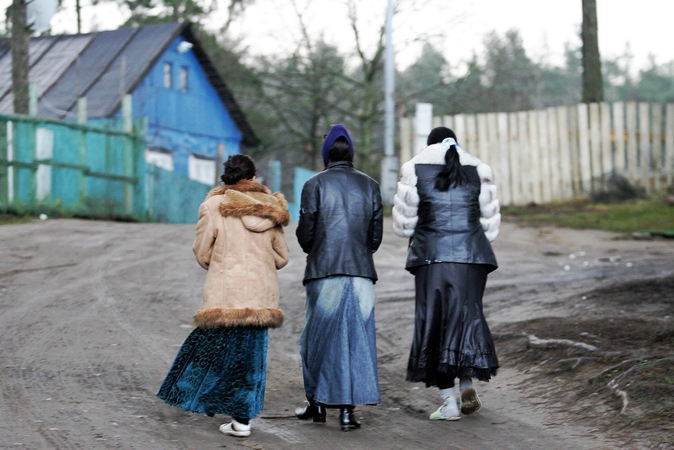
(610, 365)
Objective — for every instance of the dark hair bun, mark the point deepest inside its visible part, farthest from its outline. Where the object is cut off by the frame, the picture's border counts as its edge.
(237, 168)
(232, 175)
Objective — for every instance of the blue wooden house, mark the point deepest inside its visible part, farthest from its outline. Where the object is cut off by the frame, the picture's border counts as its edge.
(193, 120)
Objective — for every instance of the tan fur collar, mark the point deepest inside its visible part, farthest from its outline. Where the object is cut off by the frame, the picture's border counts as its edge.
(248, 198)
(241, 186)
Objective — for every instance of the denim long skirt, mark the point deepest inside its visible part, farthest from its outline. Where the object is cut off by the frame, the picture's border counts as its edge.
(219, 371)
(338, 344)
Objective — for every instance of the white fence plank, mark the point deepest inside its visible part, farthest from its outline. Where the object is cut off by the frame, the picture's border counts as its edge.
(555, 167)
(470, 141)
(595, 146)
(574, 151)
(656, 133)
(564, 153)
(503, 142)
(482, 138)
(448, 121)
(544, 154)
(669, 145)
(406, 139)
(619, 162)
(584, 149)
(644, 145)
(606, 147)
(534, 157)
(632, 148)
(524, 152)
(460, 127)
(513, 151)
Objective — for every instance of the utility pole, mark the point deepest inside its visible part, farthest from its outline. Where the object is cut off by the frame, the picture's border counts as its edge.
(389, 166)
(593, 83)
(19, 44)
(78, 9)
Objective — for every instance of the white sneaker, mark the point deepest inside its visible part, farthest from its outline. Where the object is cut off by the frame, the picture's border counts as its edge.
(235, 428)
(449, 410)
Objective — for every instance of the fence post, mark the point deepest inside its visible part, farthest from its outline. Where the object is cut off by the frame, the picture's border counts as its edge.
(128, 151)
(423, 122)
(139, 170)
(219, 157)
(82, 119)
(32, 100)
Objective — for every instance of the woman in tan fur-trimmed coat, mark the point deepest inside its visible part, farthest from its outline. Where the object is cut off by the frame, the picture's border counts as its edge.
(221, 367)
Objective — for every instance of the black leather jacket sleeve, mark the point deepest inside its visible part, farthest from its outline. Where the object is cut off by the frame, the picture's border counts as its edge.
(377, 224)
(308, 215)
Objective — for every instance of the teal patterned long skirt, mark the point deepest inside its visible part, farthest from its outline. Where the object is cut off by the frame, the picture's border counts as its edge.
(219, 371)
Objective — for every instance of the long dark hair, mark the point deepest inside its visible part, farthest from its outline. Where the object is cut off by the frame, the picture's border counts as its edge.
(451, 175)
(237, 168)
(340, 150)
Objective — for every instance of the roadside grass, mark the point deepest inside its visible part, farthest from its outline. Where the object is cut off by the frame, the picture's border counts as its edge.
(11, 219)
(652, 214)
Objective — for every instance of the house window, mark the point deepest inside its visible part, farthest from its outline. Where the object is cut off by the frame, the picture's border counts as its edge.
(201, 169)
(159, 157)
(183, 79)
(167, 75)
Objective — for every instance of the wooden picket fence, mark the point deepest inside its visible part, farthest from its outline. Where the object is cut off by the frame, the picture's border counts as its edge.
(564, 152)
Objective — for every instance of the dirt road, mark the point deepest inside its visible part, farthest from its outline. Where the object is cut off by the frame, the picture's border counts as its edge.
(93, 313)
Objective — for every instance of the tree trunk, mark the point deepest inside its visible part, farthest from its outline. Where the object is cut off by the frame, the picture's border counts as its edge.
(593, 84)
(20, 41)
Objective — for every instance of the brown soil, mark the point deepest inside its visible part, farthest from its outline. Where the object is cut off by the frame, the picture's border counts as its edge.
(624, 388)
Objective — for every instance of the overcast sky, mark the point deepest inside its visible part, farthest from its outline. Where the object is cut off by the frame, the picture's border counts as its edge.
(545, 25)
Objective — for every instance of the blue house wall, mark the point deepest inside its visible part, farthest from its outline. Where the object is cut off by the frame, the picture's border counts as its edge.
(190, 122)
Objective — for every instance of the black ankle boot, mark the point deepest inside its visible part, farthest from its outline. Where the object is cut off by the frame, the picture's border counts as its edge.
(313, 410)
(347, 419)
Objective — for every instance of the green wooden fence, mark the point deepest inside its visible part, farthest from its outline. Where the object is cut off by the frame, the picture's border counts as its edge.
(71, 169)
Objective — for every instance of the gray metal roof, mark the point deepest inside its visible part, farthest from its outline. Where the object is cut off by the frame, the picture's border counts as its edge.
(103, 66)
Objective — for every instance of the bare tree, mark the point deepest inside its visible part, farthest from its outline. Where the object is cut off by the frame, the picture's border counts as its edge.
(593, 84)
(20, 42)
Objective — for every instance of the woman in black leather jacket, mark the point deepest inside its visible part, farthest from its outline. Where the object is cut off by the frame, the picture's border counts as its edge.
(340, 227)
(446, 205)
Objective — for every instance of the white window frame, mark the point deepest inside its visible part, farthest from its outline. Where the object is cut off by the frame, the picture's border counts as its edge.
(160, 157)
(201, 169)
(168, 75)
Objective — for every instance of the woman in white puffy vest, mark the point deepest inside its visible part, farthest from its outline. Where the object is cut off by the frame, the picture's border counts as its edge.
(446, 205)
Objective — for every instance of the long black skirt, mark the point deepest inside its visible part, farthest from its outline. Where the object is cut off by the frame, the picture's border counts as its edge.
(451, 336)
